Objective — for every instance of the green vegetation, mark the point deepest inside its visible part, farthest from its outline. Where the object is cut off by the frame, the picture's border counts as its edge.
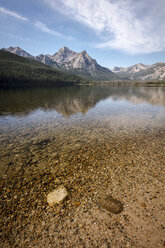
(20, 72)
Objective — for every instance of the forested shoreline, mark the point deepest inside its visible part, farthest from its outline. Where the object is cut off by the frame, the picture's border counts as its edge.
(20, 72)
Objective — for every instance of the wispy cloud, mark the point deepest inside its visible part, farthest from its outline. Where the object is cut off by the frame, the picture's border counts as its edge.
(131, 26)
(13, 14)
(41, 26)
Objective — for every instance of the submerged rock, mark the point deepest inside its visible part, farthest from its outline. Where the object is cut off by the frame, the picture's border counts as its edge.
(111, 204)
(57, 195)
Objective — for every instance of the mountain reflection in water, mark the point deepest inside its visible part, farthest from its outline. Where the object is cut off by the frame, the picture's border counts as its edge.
(78, 99)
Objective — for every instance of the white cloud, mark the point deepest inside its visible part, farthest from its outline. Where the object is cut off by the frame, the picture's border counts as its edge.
(41, 26)
(13, 14)
(128, 25)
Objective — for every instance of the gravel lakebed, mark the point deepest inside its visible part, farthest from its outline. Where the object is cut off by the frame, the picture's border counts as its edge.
(94, 163)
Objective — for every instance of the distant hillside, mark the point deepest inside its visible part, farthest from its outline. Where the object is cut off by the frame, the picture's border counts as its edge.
(142, 72)
(17, 71)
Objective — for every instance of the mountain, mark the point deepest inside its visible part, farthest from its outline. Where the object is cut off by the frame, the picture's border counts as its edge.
(64, 55)
(117, 69)
(19, 51)
(20, 72)
(82, 64)
(130, 71)
(142, 72)
(79, 64)
(46, 59)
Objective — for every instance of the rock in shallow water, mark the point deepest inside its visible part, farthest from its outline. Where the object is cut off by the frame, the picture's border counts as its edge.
(57, 195)
(111, 204)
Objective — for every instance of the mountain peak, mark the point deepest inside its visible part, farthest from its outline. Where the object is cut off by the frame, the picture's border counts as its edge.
(84, 52)
(63, 55)
(19, 48)
(19, 51)
(140, 64)
(138, 67)
(81, 64)
(14, 49)
(64, 48)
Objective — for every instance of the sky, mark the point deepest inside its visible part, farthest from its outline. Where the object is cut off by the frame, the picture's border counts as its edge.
(114, 32)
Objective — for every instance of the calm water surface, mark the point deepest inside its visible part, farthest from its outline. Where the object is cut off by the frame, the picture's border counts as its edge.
(49, 136)
(79, 113)
(34, 124)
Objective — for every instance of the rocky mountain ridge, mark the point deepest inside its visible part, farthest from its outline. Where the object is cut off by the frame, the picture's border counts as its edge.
(77, 63)
(82, 64)
(142, 72)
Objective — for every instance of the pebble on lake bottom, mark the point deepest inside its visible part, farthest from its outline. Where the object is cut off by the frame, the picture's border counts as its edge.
(111, 204)
(57, 195)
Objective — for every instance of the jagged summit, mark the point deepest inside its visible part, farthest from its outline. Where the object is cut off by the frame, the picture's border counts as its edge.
(64, 48)
(78, 63)
(81, 64)
(63, 55)
(84, 52)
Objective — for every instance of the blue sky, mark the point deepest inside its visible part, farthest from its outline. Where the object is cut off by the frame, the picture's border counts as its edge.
(114, 32)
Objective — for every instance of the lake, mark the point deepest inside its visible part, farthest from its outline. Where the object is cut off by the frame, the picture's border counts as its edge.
(96, 141)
